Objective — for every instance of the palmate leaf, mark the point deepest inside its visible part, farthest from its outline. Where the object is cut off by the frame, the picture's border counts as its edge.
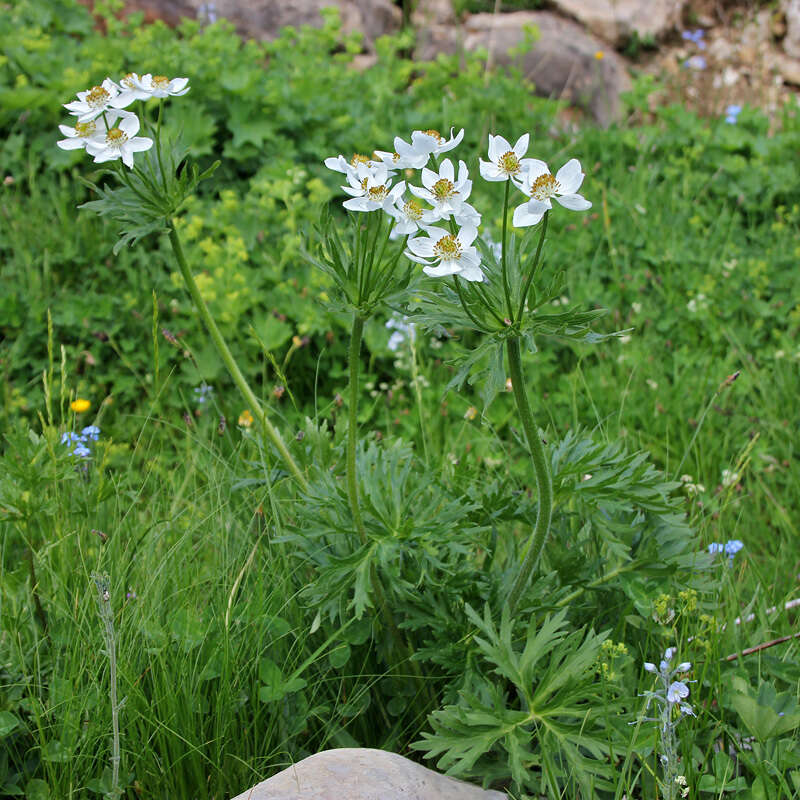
(539, 726)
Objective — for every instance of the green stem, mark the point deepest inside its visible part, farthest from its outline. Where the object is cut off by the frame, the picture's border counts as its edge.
(230, 362)
(534, 266)
(544, 482)
(352, 425)
(503, 252)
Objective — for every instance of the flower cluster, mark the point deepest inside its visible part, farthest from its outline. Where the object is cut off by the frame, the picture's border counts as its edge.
(103, 129)
(730, 548)
(732, 114)
(673, 692)
(79, 442)
(445, 190)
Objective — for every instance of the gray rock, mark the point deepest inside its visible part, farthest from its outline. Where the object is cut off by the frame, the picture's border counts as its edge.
(432, 12)
(563, 61)
(791, 42)
(263, 19)
(363, 774)
(617, 20)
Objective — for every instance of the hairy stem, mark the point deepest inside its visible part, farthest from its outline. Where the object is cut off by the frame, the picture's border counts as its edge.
(544, 482)
(229, 361)
(352, 424)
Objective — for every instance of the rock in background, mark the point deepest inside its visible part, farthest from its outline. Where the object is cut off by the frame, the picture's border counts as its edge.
(363, 774)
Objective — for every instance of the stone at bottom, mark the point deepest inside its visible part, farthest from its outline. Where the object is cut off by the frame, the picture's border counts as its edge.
(363, 774)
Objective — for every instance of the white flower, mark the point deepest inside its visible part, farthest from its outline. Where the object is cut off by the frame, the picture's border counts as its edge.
(120, 141)
(396, 161)
(442, 190)
(650, 667)
(369, 189)
(409, 217)
(161, 85)
(677, 691)
(684, 666)
(341, 164)
(467, 216)
(130, 89)
(504, 161)
(402, 330)
(94, 101)
(540, 185)
(80, 133)
(454, 254)
(425, 144)
(729, 478)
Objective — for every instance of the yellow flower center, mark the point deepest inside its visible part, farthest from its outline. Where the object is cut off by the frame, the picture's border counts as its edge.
(116, 137)
(448, 248)
(85, 129)
(544, 187)
(443, 190)
(377, 193)
(413, 210)
(160, 81)
(98, 97)
(509, 163)
(127, 81)
(359, 159)
(436, 135)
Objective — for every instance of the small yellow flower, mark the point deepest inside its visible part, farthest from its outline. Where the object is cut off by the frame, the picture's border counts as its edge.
(246, 418)
(471, 413)
(599, 55)
(80, 405)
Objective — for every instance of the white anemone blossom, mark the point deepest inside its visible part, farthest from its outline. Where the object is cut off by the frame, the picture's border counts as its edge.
(409, 216)
(444, 253)
(161, 85)
(371, 190)
(442, 190)
(80, 133)
(425, 144)
(120, 141)
(540, 186)
(505, 161)
(341, 164)
(130, 89)
(93, 102)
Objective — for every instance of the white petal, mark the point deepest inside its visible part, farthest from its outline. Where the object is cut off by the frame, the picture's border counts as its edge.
(523, 217)
(421, 246)
(106, 155)
(75, 143)
(129, 125)
(467, 235)
(429, 177)
(139, 144)
(570, 176)
(127, 155)
(353, 192)
(357, 204)
(447, 268)
(498, 146)
(411, 257)
(423, 194)
(178, 85)
(471, 272)
(446, 170)
(521, 147)
(533, 168)
(574, 202)
(539, 206)
(337, 164)
(491, 172)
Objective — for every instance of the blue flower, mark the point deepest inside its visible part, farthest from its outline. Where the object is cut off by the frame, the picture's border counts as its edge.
(82, 451)
(732, 547)
(203, 393)
(716, 547)
(731, 114)
(70, 437)
(695, 62)
(695, 36)
(90, 432)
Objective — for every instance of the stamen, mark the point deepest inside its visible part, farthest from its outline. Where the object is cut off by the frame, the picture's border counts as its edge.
(127, 81)
(85, 129)
(98, 97)
(359, 159)
(436, 135)
(377, 193)
(116, 138)
(509, 163)
(444, 189)
(544, 187)
(448, 248)
(160, 81)
(413, 210)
